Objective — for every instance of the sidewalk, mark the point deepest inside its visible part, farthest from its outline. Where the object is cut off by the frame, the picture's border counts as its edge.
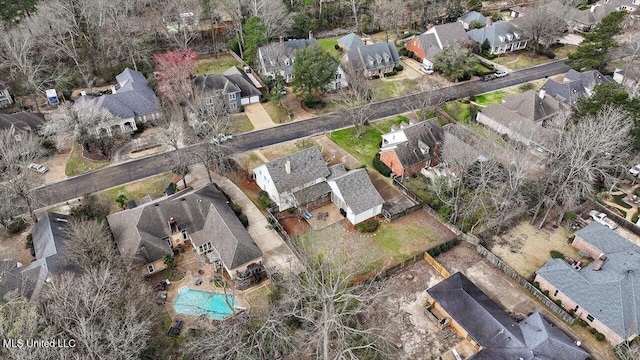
(277, 253)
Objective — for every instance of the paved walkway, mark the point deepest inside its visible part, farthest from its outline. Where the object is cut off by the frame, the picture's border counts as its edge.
(258, 116)
(277, 253)
(627, 199)
(494, 64)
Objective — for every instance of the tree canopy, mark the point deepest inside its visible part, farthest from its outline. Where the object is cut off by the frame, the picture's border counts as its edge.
(593, 52)
(255, 34)
(455, 62)
(313, 70)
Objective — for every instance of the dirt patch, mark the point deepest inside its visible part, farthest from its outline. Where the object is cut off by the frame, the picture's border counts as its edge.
(399, 314)
(13, 247)
(526, 248)
(294, 225)
(277, 151)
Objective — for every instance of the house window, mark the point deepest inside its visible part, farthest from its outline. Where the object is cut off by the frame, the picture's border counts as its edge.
(169, 241)
(232, 96)
(150, 268)
(555, 293)
(209, 101)
(575, 309)
(590, 318)
(232, 106)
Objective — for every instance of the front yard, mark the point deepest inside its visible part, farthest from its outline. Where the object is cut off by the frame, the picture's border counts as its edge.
(240, 123)
(76, 164)
(363, 148)
(153, 185)
(521, 60)
(389, 88)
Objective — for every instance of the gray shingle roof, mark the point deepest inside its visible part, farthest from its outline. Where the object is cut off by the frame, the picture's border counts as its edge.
(24, 121)
(205, 215)
(429, 133)
(611, 294)
(494, 33)
(276, 53)
(350, 41)
(242, 81)
(312, 193)
(233, 80)
(374, 56)
(473, 16)
(134, 98)
(450, 33)
(358, 191)
(575, 85)
(429, 45)
(306, 165)
(500, 336)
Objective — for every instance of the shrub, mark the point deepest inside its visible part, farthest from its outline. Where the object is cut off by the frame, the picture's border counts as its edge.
(558, 302)
(264, 200)
(16, 226)
(556, 254)
(244, 220)
(403, 51)
(336, 46)
(600, 336)
(28, 241)
(410, 54)
(236, 209)
(381, 167)
(173, 187)
(636, 192)
(362, 166)
(375, 77)
(488, 55)
(570, 239)
(593, 331)
(368, 226)
(536, 284)
(399, 68)
(472, 98)
(391, 73)
(526, 87)
(582, 323)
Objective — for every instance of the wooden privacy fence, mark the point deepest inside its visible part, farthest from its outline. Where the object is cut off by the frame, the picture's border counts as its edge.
(436, 265)
(522, 281)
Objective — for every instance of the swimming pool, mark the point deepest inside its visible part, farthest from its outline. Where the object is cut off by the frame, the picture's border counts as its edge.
(198, 302)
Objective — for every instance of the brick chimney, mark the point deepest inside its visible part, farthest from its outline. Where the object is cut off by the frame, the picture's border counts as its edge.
(310, 35)
(429, 27)
(281, 39)
(489, 21)
(287, 167)
(113, 89)
(542, 92)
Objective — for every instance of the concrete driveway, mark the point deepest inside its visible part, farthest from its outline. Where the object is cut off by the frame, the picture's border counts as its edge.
(258, 116)
(571, 39)
(334, 150)
(277, 253)
(411, 69)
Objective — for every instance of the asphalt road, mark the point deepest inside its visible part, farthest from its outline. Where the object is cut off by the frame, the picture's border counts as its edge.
(141, 168)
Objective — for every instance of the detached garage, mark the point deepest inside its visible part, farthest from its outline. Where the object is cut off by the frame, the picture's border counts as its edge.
(354, 193)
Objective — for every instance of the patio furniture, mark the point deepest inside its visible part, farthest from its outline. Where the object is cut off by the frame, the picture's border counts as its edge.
(198, 282)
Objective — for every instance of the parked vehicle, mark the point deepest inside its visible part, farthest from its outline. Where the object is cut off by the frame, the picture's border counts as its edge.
(220, 138)
(38, 168)
(500, 74)
(448, 97)
(635, 171)
(488, 77)
(426, 69)
(307, 215)
(603, 219)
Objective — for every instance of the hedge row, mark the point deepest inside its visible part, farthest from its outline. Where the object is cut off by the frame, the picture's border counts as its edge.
(380, 166)
(368, 226)
(442, 248)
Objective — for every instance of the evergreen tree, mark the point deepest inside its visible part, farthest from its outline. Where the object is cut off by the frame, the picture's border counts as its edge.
(313, 70)
(593, 52)
(255, 34)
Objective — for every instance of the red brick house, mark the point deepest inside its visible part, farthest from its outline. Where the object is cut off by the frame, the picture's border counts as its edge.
(436, 38)
(409, 148)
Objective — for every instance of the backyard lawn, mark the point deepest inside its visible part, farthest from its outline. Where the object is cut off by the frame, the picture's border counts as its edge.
(77, 165)
(215, 65)
(364, 148)
(153, 185)
(329, 45)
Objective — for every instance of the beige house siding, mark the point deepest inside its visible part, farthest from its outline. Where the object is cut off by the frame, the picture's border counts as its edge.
(569, 305)
(158, 266)
(232, 272)
(582, 245)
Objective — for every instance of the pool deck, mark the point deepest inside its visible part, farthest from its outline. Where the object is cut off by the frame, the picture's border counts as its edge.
(196, 321)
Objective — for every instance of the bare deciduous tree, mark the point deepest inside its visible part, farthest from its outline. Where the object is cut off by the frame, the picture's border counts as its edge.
(89, 245)
(182, 21)
(593, 150)
(543, 26)
(105, 310)
(273, 13)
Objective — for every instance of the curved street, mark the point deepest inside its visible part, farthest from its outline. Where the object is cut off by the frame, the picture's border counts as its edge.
(122, 173)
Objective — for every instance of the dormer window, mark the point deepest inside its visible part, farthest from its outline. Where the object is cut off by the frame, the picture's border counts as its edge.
(370, 60)
(516, 35)
(378, 59)
(501, 38)
(509, 37)
(287, 62)
(386, 57)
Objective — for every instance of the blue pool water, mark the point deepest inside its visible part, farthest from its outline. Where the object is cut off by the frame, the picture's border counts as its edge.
(197, 302)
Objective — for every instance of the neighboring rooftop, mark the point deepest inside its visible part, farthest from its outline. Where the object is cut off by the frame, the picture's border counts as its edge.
(498, 33)
(231, 81)
(357, 190)
(304, 166)
(134, 98)
(423, 140)
(204, 213)
(501, 337)
(350, 41)
(473, 16)
(575, 85)
(611, 294)
(278, 55)
(374, 56)
(24, 121)
(441, 36)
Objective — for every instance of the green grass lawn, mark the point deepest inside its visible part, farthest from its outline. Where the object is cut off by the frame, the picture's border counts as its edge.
(364, 148)
(564, 51)
(215, 65)
(240, 124)
(494, 97)
(390, 89)
(525, 59)
(481, 69)
(384, 125)
(459, 111)
(329, 45)
(77, 165)
(618, 199)
(277, 113)
(136, 190)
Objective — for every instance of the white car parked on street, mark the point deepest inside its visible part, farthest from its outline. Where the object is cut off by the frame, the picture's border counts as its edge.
(635, 171)
(38, 168)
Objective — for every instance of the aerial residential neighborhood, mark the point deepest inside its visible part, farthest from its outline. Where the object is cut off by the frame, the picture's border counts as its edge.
(268, 179)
